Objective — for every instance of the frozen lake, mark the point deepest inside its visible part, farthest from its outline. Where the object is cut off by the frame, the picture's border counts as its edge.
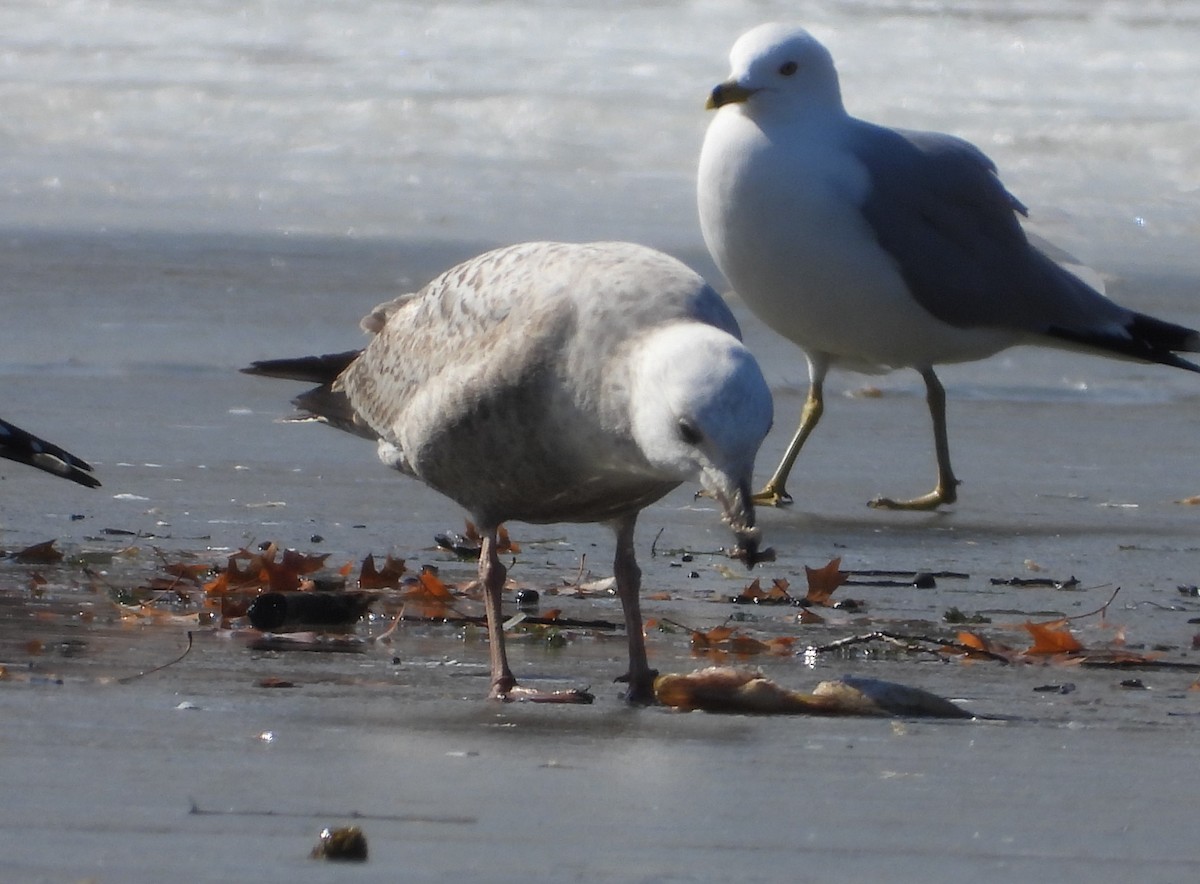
(188, 188)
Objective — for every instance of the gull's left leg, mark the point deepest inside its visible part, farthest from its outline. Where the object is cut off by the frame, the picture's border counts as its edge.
(504, 685)
(774, 493)
(629, 584)
(492, 574)
(946, 490)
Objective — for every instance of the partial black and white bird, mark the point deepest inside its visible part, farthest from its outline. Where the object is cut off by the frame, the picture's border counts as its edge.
(24, 447)
(876, 248)
(553, 382)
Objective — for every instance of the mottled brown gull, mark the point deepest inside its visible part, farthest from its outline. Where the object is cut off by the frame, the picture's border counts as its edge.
(24, 447)
(875, 248)
(549, 382)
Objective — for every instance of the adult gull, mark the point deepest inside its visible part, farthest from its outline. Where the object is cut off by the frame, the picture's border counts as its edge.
(549, 382)
(24, 447)
(876, 248)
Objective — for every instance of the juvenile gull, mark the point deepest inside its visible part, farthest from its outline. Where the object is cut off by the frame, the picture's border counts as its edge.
(550, 382)
(876, 248)
(24, 447)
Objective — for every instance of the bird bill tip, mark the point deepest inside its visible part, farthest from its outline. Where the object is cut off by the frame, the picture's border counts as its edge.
(729, 92)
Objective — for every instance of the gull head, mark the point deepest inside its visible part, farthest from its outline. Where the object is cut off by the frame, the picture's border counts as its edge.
(700, 408)
(779, 68)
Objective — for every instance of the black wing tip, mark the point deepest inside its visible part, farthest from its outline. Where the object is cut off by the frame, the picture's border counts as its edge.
(21, 446)
(312, 369)
(87, 480)
(1147, 340)
(74, 470)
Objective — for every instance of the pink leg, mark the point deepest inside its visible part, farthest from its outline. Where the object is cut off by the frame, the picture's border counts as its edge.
(504, 683)
(629, 584)
(492, 575)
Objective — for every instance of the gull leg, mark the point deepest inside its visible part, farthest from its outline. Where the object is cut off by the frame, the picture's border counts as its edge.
(946, 490)
(491, 575)
(774, 493)
(504, 684)
(629, 584)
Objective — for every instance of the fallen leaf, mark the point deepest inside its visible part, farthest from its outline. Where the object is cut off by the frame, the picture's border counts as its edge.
(504, 543)
(192, 571)
(746, 646)
(823, 581)
(39, 554)
(1052, 638)
(388, 576)
(274, 681)
(429, 587)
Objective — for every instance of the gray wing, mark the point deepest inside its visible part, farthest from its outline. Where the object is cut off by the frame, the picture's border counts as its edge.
(475, 332)
(493, 325)
(938, 208)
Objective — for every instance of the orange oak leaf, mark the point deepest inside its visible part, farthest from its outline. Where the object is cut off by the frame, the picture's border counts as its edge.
(385, 577)
(823, 581)
(1052, 638)
(429, 587)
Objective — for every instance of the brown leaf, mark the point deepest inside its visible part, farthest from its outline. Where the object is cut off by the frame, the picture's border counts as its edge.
(504, 543)
(429, 587)
(219, 585)
(781, 644)
(274, 681)
(191, 572)
(745, 646)
(752, 593)
(823, 581)
(779, 590)
(712, 638)
(284, 575)
(388, 576)
(1052, 638)
(987, 648)
(39, 554)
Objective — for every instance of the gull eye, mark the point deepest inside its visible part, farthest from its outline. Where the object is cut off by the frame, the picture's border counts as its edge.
(788, 68)
(688, 432)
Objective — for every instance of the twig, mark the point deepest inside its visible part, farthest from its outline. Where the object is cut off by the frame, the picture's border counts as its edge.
(568, 622)
(1102, 610)
(883, 572)
(908, 643)
(676, 624)
(1152, 665)
(1049, 582)
(127, 679)
(196, 810)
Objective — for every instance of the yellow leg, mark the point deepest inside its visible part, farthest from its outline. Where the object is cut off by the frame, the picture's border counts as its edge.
(946, 490)
(774, 493)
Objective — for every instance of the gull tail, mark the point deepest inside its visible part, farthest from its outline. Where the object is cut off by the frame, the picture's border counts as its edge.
(24, 447)
(323, 402)
(1145, 338)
